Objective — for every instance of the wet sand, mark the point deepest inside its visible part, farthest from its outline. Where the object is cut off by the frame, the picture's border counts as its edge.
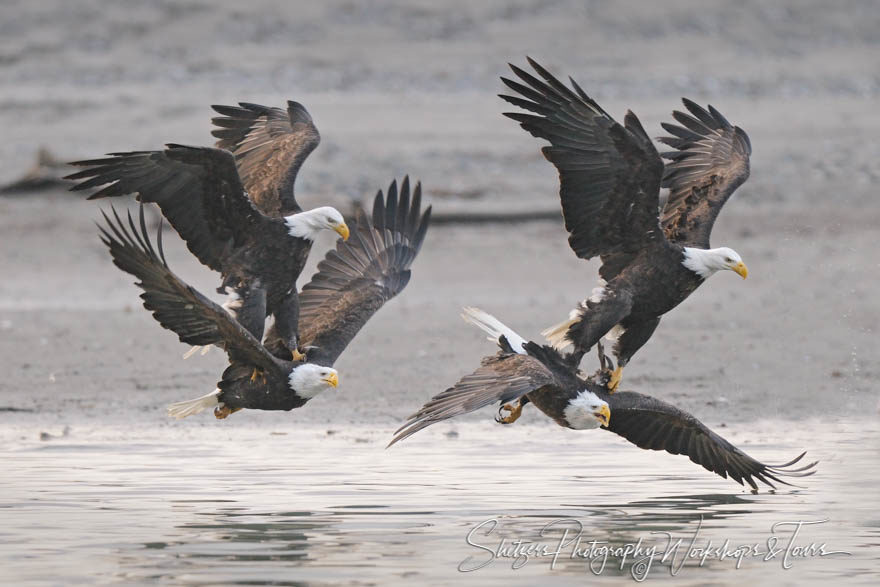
(78, 347)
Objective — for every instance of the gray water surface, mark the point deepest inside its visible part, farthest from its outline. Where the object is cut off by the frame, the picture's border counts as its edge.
(246, 506)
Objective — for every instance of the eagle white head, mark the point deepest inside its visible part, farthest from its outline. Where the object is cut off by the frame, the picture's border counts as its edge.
(705, 262)
(586, 411)
(308, 224)
(309, 380)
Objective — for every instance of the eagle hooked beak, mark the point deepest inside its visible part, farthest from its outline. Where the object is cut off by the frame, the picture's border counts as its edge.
(741, 269)
(342, 229)
(603, 415)
(332, 379)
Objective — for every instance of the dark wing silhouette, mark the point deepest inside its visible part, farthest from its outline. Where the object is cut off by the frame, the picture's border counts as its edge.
(197, 189)
(356, 279)
(270, 145)
(652, 424)
(609, 174)
(175, 305)
(711, 160)
(503, 377)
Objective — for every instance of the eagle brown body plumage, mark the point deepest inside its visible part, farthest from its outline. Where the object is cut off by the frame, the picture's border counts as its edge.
(351, 284)
(199, 321)
(610, 178)
(229, 204)
(542, 376)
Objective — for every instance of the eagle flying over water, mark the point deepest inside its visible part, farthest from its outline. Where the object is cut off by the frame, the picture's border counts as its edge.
(523, 372)
(352, 283)
(610, 178)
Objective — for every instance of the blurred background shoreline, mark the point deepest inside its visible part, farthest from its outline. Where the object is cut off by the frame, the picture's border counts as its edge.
(409, 88)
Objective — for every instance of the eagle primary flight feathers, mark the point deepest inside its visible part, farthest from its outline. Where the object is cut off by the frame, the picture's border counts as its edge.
(200, 192)
(523, 372)
(610, 177)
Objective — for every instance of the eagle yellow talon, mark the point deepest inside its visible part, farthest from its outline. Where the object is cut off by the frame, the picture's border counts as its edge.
(297, 356)
(223, 412)
(513, 416)
(616, 376)
(258, 373)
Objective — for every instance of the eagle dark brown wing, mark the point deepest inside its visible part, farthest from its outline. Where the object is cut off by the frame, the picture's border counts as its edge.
(503, 377)
(357, 278)
(609, 174)
(711, 160)
(652, 424)
(197, 189)
(175, 305)
(270, 145)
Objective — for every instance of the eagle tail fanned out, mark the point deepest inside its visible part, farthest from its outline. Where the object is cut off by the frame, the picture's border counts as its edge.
(557, 335)
(494, 328)
(181, 410)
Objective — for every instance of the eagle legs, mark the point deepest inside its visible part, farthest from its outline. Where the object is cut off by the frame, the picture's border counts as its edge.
(614, 381)
(515, 411)
(251, 314)
(287, 323)
(634, 335)
(595, 319)
(608, 375)
(223, 412)
(251, 311)
(258, 374)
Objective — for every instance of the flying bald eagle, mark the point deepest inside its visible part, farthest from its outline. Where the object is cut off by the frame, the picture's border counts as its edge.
(200, 192)
(283, 385)
(525, 372)
(351, 284)
(610, 178)
(270, 145)
(356, 279)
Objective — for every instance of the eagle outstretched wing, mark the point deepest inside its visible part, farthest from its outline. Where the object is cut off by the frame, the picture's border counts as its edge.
(502, 377)
(652, 424)
(711, 160)
(175, 305)
(270, 145)
(609, 173)
(197, 189)
(361, 274)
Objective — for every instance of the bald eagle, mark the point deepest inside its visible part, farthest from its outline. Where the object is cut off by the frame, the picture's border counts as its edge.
(610, 178)
(351, 284)
(200, 192)
(525, 372)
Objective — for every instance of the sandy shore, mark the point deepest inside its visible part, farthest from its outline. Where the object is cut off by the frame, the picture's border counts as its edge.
(409, 88)
(76, 344)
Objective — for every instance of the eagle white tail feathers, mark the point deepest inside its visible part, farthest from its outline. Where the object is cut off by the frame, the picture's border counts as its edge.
(493, 327)
(181, 410)
(193, 350)
(557, 335)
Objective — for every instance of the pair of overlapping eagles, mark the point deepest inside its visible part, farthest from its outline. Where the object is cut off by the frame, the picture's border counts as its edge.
(234, 206)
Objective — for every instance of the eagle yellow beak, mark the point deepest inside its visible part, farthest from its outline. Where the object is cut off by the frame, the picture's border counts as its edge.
(342, 229)
(741, 269)
(603, 415)
(332, 379)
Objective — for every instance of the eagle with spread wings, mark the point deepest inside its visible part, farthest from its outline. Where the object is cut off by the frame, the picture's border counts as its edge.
(610, 176)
